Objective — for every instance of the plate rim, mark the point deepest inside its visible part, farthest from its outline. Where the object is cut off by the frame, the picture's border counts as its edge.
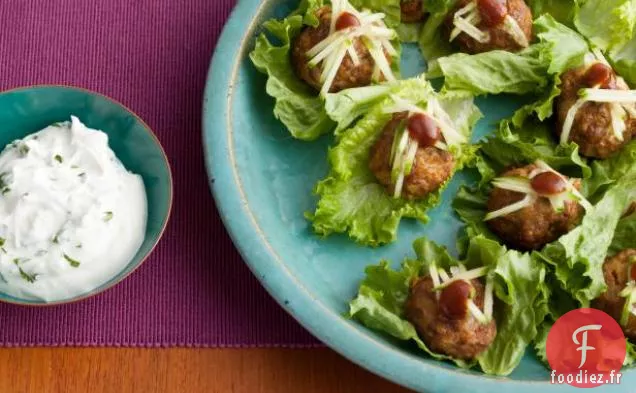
(250, 240)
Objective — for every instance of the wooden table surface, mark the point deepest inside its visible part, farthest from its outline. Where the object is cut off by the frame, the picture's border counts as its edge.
(124, 370)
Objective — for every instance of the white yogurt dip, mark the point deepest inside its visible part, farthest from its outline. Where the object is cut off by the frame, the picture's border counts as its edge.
(71, 215)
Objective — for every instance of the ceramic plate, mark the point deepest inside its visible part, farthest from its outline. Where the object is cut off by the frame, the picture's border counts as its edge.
(262, 180)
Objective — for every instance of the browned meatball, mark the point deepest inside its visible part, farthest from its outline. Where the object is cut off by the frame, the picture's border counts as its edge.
(533, 226)
(592, 128)
(462, 338)
(348, 75)
(615, 271)
(499, 38)
(412, 11)
(431, 169)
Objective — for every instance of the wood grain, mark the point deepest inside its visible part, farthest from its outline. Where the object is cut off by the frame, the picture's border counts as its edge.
(126, 370)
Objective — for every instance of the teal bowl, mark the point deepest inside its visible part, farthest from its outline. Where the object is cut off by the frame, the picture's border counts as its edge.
(26, 110)
(262, 181)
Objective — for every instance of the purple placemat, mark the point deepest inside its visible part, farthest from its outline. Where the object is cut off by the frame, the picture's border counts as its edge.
(153, 56)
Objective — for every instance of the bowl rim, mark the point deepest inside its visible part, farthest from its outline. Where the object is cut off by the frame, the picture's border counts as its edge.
(266, 264)
(166, 219)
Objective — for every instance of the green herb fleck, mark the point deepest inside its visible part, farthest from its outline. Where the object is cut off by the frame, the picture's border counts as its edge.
(2, 241)
(23, 149)
(58, 124)
(74, 167)
(72, 261)
(55, 239)
(26, 276)
(3, 250)
(3, 181)
(82, 174)
(78, 246)
(108, 216)
(29, 277)
(5, 190)
(58, 158)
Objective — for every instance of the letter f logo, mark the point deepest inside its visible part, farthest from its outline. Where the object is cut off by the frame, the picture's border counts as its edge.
(584, 347)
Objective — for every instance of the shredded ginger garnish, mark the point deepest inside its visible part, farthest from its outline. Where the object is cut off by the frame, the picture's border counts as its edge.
(523, 185)
(622, 102)
(466, 20)
(404, 148)
(332, 50)
(441, 280)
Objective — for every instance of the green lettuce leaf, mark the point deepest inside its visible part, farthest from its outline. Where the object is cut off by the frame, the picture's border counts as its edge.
(578, 256)
(624, 237)
(297, 105)
(608, 24)
(528, 71)
(624, 60)
(568, 47)
(561, 10)
(562, 302)
(621, 166)
(380, 301)
(431, 41)
(409, 32)
(346, 106)
(351, 200)
(611, 26)
(496, 71)
(512, 146)
(518, 287)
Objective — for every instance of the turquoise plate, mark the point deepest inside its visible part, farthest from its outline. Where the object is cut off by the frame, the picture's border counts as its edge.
(24, 111)
(262, 180)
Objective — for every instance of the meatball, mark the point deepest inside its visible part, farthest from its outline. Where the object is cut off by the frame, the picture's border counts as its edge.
(431, 169)
(412, 11)
(533, 226)
(348, 75)
(499, 38)
(462, 338)
(615, 271)
(592, 127)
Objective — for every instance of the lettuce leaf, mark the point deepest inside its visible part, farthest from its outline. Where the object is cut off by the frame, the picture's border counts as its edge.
(517, 145)
(495, 72)
(578, 256)
(512, 146)
(380, 301)
(528, 71)
(561, 10)
(609, 171)
(346, 106)
(409, 32)
(297, 105)
(624, 60)
(519, 288)
(624, 236)
(351, 200)
(568, 48)
(608, 24)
